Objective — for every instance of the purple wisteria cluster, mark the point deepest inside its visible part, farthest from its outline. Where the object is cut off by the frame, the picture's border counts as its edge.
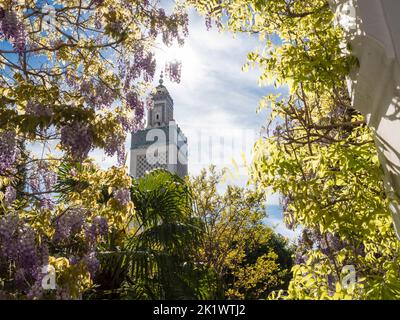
(174, 27)
(170, 28)
(72, 223)
(134, 103)
(74, 220)
(10, 195)
(123, 196)
(115, 144)
(43, 175)
(41, 181)
(8, 151)
(12, 30)
(20, 251)
(174, 69)
(38, 110)
(140, 63)
(91, 262)
(327, 243)
(98, 227)
(98, 95)
(130, 123)
(24, 257)
(77, 139)
(134, 120)
(69, 224)
(67, 99)
(209, 22)
(288, 214)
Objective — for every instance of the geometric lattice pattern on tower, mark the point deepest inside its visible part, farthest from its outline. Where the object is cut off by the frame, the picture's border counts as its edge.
(143, 165)
(161, 128)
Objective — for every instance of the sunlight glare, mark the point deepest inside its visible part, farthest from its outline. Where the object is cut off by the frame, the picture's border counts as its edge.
(191, 63)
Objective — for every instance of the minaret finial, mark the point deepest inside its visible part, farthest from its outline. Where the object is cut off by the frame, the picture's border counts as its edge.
(161, 78)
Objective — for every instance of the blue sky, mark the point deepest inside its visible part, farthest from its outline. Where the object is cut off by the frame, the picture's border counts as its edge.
(216, 100)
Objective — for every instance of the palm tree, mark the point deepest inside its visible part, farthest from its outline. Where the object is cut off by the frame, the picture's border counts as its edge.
(156, 261)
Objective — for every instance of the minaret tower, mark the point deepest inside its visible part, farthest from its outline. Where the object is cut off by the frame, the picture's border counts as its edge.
(162, 144)
(163, 111)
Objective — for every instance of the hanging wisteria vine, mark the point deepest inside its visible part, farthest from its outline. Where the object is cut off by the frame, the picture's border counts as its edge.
(73, 76)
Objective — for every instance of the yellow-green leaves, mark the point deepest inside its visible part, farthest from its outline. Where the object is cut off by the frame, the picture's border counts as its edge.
(319, 155)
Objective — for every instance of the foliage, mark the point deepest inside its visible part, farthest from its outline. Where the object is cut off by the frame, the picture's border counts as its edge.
(155, 260)
(170, 250)
(236, 244)
(254, 281)
(320, 156)
(73, 75)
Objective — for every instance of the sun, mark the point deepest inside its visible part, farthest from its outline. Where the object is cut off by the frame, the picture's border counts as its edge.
(192, 66)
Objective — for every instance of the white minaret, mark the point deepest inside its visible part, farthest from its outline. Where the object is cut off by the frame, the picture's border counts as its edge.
(162, 144)
(163, 107)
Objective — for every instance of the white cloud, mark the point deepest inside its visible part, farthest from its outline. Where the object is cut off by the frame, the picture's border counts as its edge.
(216, 99)
(275, 221)
(279, 227)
